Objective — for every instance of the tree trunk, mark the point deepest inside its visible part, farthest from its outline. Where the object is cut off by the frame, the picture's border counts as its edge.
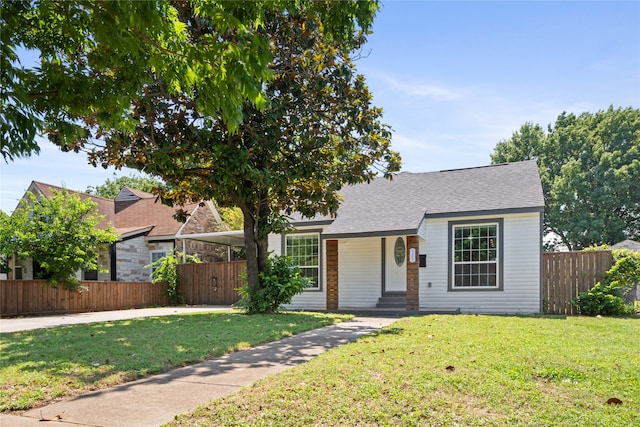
(251, 247)
(255, 245)
(262, 237)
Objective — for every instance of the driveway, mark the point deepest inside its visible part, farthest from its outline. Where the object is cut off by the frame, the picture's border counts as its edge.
(38, 322)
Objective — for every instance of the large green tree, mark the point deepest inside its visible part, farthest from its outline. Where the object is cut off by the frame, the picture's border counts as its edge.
(61, 233)
(590, 170)
(317, 133)
(96, 57)
(111, 187)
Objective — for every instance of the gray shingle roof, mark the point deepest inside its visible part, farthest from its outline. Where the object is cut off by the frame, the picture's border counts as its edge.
(627, 244)
(399, 205)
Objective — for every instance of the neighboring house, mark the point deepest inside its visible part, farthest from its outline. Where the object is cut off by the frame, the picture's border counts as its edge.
(466, 239)
(627, 244)
(147, 232)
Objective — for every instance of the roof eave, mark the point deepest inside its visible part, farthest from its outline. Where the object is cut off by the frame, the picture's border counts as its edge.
(507, 211)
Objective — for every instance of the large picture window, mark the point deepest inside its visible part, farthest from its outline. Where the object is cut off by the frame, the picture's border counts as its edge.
(475, 256)
(304, 250)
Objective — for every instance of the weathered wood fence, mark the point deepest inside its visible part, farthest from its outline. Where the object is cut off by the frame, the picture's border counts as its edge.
(28, 297)
(212, 283)
(566, 274)
(207, 283)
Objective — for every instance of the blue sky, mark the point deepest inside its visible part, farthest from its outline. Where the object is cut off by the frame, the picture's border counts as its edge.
(454, 78)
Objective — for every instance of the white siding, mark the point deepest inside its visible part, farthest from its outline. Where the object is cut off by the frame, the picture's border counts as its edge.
(359, 272)
(521, 292)
(275, 244)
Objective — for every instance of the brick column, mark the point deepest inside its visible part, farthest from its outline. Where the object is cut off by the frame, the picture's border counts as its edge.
(412, 274)
(332, 274)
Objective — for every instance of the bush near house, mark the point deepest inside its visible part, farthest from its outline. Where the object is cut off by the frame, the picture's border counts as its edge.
(60, 233)
(607, 297)
(279, 283)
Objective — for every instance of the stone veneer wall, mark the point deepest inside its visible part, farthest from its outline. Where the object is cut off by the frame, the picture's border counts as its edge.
(132, 257)
(202, 221)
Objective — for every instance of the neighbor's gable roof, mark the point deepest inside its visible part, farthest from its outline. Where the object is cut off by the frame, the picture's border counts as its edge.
(399, 205)
(132, 212)
(138, 209)
(105, 206)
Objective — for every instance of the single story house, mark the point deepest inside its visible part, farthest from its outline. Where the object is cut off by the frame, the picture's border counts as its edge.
(147, 231)
(465, 239)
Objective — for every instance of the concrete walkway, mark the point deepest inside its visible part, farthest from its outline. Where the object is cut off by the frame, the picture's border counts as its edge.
(38, 322)
(156, 400)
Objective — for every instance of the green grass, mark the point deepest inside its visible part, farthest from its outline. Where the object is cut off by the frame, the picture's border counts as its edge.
(42, 365)
(455, 370)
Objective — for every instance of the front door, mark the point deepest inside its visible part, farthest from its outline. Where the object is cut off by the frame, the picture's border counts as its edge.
(395, 268)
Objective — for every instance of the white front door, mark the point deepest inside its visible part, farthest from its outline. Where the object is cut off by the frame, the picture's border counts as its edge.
(395, 262)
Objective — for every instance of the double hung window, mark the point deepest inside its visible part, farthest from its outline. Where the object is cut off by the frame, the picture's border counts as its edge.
(304, 250)
(475, 256)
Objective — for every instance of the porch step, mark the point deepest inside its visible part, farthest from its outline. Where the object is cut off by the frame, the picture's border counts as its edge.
(392, 301)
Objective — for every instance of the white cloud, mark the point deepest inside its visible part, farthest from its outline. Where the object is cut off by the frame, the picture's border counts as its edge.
(419, 90)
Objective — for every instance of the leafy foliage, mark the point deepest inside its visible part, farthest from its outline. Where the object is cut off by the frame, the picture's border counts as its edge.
(97, 56)
(626, 269)
(62, 233)
(316, 133)
(279, 283)
(607, 297)
(603, 299)
(5, 235)
(590, 169)
(112, 187)
(165, 270)
(232, 217)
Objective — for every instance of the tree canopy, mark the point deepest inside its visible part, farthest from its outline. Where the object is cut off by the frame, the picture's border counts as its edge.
(111, 187)
(318, 131)
(61, 233)
(97, 57)
(590, 170)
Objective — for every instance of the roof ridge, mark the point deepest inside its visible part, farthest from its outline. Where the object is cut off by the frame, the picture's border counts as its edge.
(479, 167)
(57, 187)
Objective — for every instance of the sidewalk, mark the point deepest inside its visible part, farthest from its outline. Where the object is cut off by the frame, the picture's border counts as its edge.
(156, 400)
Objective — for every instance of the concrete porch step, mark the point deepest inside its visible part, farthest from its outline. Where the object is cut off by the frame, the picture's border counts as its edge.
(392, 301)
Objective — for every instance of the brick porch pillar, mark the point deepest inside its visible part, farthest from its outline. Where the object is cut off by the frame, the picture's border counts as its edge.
(412, 274)
(332, 274)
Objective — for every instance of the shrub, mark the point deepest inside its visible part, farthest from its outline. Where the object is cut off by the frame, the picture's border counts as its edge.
(602, 299)
(279, 283)
(166, 271)
(607, 297)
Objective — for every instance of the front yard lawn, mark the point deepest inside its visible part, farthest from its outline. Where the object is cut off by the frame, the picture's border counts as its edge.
(455, 370)
(47, 364)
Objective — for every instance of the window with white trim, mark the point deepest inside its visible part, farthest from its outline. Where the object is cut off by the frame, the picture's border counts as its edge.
(156, 255)
(304, 250)
(475, 256)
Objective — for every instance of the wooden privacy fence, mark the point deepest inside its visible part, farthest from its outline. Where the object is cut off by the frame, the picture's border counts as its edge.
(566, 274)
(27, 297)
(212, 283)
